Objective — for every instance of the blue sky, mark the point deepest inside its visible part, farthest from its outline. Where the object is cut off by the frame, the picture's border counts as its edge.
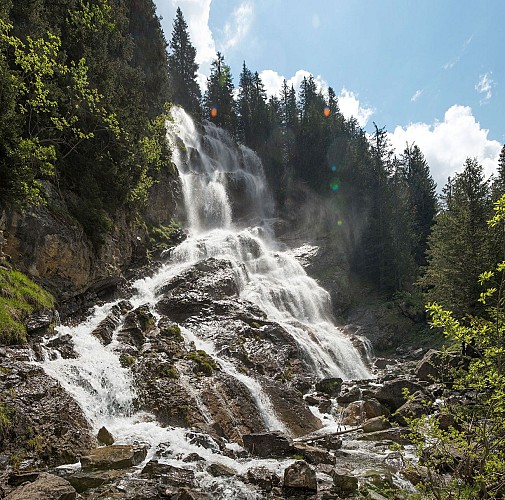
(430, 71)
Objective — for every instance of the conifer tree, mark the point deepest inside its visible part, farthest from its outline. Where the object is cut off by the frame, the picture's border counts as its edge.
(219, 102)
(458, 250)
(183, 68)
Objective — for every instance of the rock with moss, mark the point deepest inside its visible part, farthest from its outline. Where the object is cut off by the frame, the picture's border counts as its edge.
(203, 362)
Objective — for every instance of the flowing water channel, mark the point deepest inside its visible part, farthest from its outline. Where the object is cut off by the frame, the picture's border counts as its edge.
(228, 208)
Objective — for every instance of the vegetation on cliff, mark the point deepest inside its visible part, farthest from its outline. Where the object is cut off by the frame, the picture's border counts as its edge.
(19, 297)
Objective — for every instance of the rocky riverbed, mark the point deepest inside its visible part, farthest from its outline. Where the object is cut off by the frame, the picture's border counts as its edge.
(211, 402)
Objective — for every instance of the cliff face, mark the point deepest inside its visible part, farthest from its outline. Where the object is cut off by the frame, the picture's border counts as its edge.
(50, 245)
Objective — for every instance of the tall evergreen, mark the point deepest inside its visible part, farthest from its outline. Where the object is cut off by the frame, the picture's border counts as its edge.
(218, 100)
(183, 68)
(458, 250)
(422, 194)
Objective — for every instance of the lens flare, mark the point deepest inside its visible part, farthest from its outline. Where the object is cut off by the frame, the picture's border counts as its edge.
(333, 168)
(340, 223)
(335, 185)
(326, 111)
(213, 112)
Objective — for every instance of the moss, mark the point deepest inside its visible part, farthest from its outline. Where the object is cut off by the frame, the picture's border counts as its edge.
(204, 363)
(126, 360)
(162, 237)
(255, 325)
(5, 419)
(19, 297)
(168, 371)
(173, 332)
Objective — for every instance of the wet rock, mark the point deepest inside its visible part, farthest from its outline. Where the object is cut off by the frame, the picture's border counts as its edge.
(413, 408)
(344, 482)
(45, 487)
(220, 470)
(399, 435)
(313, 455)
(262, 477)
(18, 478)
(329, 442)
(85, 480)
(379, 478)
(193, 457)
(49, 426)
(177, 476)
(392, 392)
(382, 363)
(64, 345)
(212, 277)
(187, 494)
(268, 444)
(107, 326)
(41, 320)
(114, 457)
(300, 478)
(137, 324)
(105, 437)
(349, 395)
(330, 386)
(376, 424)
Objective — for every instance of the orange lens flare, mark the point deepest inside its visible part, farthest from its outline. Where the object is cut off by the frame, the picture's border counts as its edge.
(213, 112)
(326, 111)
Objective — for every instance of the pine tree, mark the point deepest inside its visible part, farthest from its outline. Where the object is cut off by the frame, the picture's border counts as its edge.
(458, 250)
(423, 202)
(183, 68)
(218, 99)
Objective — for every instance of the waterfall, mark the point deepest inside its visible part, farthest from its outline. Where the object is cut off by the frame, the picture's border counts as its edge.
(227, 206)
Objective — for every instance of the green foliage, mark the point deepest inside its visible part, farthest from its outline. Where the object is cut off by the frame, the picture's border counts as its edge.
(204, 363)
(126, 360)
(173, 332)
(5, 420)
(472, 446)
(19, 297)
(162, 237)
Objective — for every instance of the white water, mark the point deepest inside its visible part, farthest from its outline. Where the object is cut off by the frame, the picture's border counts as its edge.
(210, 169)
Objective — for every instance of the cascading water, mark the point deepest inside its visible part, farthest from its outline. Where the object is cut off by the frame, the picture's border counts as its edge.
(227, 206)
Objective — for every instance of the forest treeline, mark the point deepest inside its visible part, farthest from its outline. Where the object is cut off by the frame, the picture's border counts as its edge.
(83, 86)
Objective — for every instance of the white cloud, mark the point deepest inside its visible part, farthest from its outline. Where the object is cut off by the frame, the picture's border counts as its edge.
(349, 104)
(236, 29)
(447, 144)
(451, 64)
(485, 86)
(417, 95)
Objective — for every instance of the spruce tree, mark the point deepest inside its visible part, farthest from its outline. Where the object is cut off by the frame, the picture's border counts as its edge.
(218, 100)
(185, 90)
(458, 250)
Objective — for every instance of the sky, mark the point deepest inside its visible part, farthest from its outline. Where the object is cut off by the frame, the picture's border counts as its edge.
(431, 72)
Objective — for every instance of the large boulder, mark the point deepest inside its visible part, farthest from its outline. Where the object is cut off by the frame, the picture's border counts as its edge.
(45, 487)
(49, 426)
(268, 444)
(300, 478)
(114, 457)
(392, 392)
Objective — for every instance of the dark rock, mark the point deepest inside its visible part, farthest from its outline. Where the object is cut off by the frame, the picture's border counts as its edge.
(105, 437)
(376, 424)
(262, 477)
(193, 457)
(268, 444)
(18, 478)
(45, 414)
(187, 494)
(382, 363)
(380, 479)
(220, 470)
(64, 345)
(202, 440)
(349, 395)
(114, 457)
(329, 442)
(313, 455)
(40, 320)
(85, 480)
(300, 477)
(177, 476)
(330, 386)
(107, 326)
(399, 435)
(45, 487)
(392, 392)
(344, 483)
(413, 408)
